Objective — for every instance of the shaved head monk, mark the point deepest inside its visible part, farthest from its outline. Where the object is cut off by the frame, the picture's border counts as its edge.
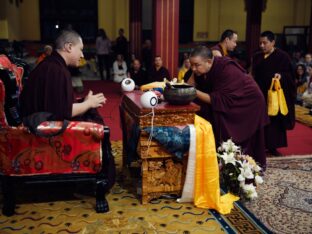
(231, 101)
(268, 63)
(228, 43)
(49, 89)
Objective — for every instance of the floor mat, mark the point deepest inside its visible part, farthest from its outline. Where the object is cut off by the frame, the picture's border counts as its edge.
(76, 214)
(285, 199)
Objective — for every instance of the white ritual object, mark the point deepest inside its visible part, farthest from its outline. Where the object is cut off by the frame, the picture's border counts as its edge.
(127, 85)
(149, 99)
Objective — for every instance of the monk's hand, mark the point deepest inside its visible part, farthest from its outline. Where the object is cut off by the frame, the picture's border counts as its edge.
(96, 100)
(277, 76)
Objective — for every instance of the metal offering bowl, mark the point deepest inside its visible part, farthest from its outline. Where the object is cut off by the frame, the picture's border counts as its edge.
(179, 94)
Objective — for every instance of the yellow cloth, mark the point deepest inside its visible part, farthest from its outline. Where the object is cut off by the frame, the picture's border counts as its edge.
(302, 88)
(181, 74)
(207, 184)
(82, 62)
(225, 52)
(156, 84)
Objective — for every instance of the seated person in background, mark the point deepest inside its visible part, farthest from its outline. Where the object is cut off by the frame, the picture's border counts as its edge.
(185, 67)
(158, 72)
(301, 80)
(307, 95)
(307, 60)
(137, 74)
(49, 89)
(46, 52)
(132, 58)
(227, 44)
(119, 69)
(231, 101)
(184, 56)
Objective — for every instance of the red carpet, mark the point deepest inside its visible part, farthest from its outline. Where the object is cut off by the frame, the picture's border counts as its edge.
(110, 111)
(299, 139)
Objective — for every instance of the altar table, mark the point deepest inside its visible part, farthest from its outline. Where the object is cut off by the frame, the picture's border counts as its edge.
(161, 172)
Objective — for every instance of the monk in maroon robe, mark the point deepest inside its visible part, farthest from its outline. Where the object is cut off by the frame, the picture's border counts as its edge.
(231, 101)
(227, 44)
(49, 89)
(267, 63)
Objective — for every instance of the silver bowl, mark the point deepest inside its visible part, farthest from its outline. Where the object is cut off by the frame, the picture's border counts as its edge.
(179, 94)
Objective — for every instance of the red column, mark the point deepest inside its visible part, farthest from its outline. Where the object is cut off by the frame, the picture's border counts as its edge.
(254, 11)
(166, 33)
(310, 33)
(135, 27)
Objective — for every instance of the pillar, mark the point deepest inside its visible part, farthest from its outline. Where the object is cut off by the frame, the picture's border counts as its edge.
(135, 27)
(166, 33)
(310, 31)
(254, 10)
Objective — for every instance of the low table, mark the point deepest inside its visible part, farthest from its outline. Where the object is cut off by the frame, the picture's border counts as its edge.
(161, 173)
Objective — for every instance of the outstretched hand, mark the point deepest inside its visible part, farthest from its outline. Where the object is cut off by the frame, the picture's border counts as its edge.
(95, 100)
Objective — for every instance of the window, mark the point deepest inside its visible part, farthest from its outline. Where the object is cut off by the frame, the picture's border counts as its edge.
(81, 16)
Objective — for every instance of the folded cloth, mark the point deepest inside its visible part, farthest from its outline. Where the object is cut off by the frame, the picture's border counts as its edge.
(205, 171)
(153, 85)
(174, 139)
(188, 188)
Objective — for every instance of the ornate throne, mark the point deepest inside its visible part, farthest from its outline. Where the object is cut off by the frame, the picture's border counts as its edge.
(75, 155)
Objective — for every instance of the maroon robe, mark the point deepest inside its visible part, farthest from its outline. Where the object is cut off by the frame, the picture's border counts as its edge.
(218, 48)
(139, 77)
(158, 75)
(237, 108)
(49, 89)
(263, 72)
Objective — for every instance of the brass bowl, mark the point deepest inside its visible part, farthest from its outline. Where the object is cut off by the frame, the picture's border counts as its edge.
(179, 94)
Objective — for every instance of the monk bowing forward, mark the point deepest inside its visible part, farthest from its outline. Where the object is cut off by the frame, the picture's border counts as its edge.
(231, 101)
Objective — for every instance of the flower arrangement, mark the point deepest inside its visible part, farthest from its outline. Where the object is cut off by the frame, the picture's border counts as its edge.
(239, 173)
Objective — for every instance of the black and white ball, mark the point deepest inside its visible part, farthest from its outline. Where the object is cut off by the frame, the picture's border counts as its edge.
(127, 85)
(149, 99)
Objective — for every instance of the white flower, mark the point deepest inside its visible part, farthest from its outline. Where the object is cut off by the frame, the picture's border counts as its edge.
(250, 190)
(257, 168)
(253, 195)
(258, 179)
(241, 178)
(247, 173)
(229, 146)
(219, 149)
(246, 165)
(228, 158)
(224, 147)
